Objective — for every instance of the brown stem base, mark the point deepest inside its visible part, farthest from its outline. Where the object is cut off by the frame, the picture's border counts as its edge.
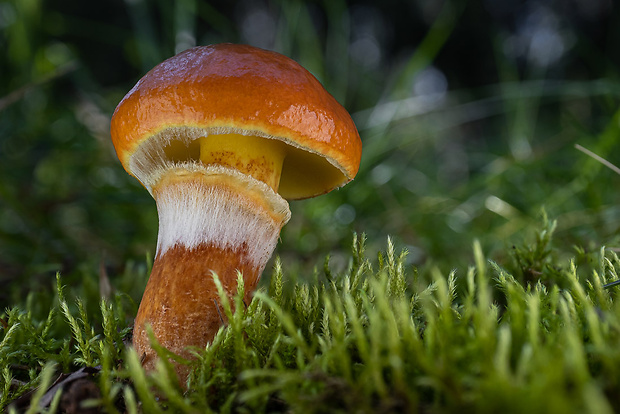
(186, 310)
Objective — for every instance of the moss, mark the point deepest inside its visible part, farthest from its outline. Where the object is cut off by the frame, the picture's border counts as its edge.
(372, 338)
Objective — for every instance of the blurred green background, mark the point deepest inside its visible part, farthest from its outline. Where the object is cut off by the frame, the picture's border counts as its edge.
(468, 111)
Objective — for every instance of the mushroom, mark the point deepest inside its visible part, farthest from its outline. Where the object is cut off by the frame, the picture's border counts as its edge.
(220, 136)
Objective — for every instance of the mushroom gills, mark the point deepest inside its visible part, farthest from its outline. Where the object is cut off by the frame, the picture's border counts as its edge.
(260, 158)
(289, 170)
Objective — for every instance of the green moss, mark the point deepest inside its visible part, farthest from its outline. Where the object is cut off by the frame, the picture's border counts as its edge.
(372, 338)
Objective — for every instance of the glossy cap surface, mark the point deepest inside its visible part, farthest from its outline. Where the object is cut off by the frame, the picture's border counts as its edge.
(228, 88)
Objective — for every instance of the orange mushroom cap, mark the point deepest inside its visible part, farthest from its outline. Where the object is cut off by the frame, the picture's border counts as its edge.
(228, 88)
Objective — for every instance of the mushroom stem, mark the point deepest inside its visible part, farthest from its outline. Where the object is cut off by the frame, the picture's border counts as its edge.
(212, 220)
(261, 158)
